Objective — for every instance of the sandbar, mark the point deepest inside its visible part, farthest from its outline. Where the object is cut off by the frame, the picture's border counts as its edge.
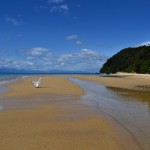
(49, 85)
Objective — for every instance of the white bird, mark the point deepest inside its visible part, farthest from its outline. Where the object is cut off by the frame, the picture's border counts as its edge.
(38, 82)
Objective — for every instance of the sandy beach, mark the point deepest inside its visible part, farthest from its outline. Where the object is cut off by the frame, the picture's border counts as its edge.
(122, 80)
(49, 85)
(60, 126)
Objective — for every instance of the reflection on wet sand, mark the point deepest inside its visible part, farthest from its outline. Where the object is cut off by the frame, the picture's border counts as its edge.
(133, 112)
(134, 95)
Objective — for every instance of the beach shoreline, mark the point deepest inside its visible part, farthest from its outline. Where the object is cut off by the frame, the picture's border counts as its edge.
(49, 85)
(59, 125)
(130, 81)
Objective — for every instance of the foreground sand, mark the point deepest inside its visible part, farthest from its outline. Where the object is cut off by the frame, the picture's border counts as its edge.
(57, 126)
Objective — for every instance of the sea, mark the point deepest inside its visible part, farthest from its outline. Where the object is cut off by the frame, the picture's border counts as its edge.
(8, 78)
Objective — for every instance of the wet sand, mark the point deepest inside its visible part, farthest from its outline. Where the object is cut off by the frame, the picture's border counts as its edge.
(121, 80)
(49, 85)
(59, 126)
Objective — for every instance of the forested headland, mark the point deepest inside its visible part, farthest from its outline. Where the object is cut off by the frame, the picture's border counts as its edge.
(136, 59)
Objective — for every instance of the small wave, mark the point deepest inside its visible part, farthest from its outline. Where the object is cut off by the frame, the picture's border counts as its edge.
(24, 77)
(3, 82)
(11, 80)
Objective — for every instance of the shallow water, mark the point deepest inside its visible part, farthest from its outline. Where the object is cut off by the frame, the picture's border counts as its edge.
(127, 107)
(1, 107)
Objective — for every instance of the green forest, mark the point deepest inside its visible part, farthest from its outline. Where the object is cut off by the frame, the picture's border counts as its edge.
(130, 60)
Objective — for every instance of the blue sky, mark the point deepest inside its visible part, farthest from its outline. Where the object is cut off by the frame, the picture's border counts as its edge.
(71, 35)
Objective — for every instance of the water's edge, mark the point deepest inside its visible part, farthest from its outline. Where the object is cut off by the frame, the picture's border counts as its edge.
(133, 115)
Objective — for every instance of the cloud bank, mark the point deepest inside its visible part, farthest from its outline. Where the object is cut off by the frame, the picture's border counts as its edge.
(40, 58)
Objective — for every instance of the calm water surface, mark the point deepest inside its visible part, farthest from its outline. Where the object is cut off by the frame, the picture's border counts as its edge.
(131, 109)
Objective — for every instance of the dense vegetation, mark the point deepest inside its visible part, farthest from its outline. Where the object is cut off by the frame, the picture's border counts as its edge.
(129, 60)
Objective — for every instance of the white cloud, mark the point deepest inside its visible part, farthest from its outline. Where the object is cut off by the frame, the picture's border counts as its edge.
(72, 37)
(60, 8)
(29, 63)
(57, 6)
(13, 21)
(55, 1)
(146, 43)
(89, 53)
(10, 63)
(30, 58)
(84, 60)
(37, 51)
(75, 38)
(40, 58)
(62, 64)
(79, 42)
(64, 7)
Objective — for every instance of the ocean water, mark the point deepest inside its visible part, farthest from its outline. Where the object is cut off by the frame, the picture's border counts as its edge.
(7, 78)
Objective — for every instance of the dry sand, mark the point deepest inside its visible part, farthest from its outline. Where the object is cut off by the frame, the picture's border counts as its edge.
(121, 80)
(58, 126)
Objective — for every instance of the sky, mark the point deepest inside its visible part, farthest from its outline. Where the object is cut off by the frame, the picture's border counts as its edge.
(69, 35)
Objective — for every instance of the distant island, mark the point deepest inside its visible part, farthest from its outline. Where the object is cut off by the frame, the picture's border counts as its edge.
(136, 59)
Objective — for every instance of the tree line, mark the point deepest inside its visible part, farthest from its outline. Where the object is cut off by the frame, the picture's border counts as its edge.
(135, 60)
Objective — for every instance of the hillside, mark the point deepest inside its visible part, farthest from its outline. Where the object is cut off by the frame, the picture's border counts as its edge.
(135, 59)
